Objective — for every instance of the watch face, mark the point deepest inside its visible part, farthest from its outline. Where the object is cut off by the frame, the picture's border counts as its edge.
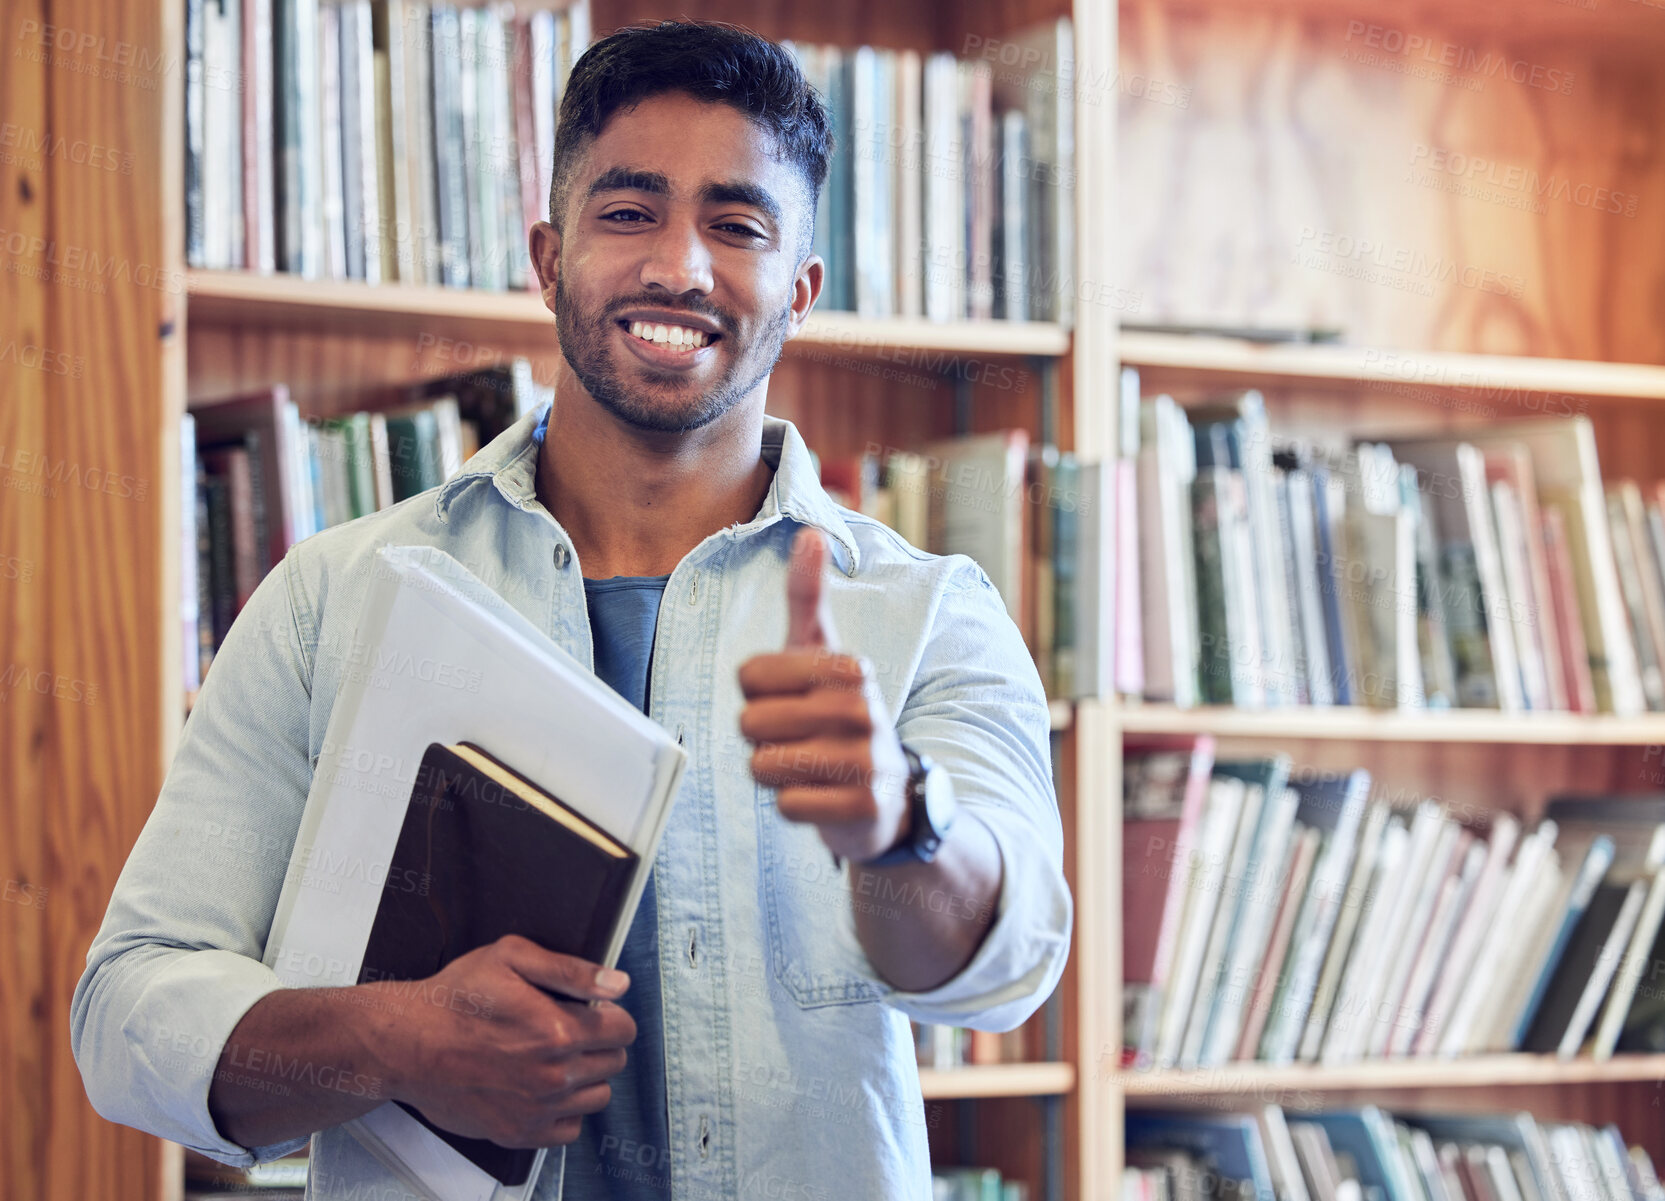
(939, 801)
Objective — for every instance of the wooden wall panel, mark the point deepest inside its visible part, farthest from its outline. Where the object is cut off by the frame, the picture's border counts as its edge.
(1294, 165)
(88, 649)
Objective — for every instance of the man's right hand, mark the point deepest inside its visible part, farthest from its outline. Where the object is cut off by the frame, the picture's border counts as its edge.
(482, 1048)
(493, 1055)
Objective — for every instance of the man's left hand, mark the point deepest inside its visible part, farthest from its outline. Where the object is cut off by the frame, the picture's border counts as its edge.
(822, 738)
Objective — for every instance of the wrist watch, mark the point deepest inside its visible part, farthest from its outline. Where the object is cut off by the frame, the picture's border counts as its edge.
(930, 813)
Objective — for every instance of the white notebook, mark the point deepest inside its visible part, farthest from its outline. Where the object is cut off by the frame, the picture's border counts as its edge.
(439, 657)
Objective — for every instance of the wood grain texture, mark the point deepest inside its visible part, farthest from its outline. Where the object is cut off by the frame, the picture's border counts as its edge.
(1302, 165)
(86, 493)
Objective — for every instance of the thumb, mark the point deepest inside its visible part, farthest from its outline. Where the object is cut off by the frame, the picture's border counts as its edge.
(807, 621)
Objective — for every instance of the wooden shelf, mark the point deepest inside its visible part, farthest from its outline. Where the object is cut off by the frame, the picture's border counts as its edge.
(1392, 369)
(241, 298)
(1353, 723)
(1480, 1071)
(997, 1080)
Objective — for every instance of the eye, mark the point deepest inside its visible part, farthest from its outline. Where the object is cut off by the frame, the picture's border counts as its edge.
(743, 230)
(625, 216)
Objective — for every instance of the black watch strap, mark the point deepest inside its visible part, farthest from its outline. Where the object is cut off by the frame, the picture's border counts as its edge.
(920, 841)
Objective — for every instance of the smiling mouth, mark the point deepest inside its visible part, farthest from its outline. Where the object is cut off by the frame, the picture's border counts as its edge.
(669, 337)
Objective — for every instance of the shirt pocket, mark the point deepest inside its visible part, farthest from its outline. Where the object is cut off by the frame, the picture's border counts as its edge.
(810, 932)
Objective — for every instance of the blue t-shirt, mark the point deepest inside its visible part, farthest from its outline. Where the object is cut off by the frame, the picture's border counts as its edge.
(623, 1153)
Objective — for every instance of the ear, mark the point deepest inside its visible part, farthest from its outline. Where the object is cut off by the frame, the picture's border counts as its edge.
(544, 243)
(806, 286)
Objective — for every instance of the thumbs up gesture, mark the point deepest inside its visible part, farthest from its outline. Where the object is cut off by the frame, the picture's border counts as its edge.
(818, 725)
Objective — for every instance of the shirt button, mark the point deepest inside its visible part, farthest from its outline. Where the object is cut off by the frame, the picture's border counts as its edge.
(560, 556)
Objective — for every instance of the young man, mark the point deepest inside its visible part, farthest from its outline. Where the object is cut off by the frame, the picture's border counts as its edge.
(867, 829)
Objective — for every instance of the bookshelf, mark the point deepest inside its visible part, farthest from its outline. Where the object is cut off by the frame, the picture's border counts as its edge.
(1262, 151)
(145, 351)
(1325, 144)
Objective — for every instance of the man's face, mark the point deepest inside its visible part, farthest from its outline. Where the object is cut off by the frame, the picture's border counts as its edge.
(677, 279)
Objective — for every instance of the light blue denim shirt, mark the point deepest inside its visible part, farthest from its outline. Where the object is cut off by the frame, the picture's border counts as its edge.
(789, 1063)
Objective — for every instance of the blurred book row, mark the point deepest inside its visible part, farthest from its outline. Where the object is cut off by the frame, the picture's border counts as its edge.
(395, 140)
(1490, 569)
(264, 477)
(1280, 915)
(975, 1184)
(943, 1047)
(378, 140)
(1030, 516)
(951, 189)
(1370, 1154)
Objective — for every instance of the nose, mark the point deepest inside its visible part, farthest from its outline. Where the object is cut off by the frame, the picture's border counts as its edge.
(677, 259)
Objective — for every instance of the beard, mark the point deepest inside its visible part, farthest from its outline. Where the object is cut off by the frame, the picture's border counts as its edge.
(666, 402)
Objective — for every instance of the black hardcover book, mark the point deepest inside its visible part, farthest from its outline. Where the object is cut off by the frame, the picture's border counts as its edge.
(1573, 973)
(483, 853)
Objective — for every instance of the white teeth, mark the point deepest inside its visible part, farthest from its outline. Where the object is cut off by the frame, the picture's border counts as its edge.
(679, 336)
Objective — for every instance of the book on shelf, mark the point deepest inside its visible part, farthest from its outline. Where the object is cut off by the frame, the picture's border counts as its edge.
(264, 477)
(1036, 520)
(944, 1048)
(378, 140)
(950, 190)
(534, 763)
(1369, 1153)
(1287, 917)
(1164, 789)
(975, 1184)
(1486, 569)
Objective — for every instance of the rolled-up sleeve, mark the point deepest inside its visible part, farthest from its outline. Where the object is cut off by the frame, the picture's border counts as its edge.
(977, 707)
(177, 962)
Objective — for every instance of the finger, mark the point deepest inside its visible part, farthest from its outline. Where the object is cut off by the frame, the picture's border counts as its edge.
(840, 761)
(800, 670)
(577, 1072)
(564, 974)
(554, 1134)
(826, 805)
(807, 620)
(590, 1099)
(602, 1026)
(789, 718)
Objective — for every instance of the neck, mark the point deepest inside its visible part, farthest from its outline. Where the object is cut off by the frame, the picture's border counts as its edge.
(635, 502)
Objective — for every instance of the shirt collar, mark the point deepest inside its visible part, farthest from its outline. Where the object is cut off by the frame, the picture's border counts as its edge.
(510, 462)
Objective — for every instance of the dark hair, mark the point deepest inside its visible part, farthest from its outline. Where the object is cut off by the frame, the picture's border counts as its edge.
(708, 60)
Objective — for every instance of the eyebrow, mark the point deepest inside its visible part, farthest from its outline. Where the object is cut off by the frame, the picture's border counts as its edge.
(655, 183)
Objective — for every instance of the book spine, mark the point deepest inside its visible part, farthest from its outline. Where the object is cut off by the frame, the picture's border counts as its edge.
(1129, 654)
(526, 146)
(249, 114)
(191, 583)
(333, 207)
(195, 110)
(262, 523)
(356, 152)
(207, 597)
(452, 188)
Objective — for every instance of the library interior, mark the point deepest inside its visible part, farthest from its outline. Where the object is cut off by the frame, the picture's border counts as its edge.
(1287, 369)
